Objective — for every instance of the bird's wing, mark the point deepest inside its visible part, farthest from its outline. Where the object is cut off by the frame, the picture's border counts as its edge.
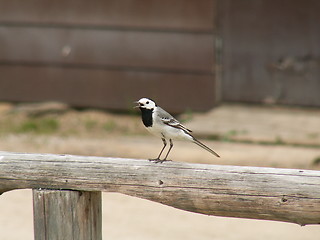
(175, 123)
(166, 118)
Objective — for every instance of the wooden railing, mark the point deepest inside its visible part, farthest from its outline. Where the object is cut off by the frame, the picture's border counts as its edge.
(67, 190)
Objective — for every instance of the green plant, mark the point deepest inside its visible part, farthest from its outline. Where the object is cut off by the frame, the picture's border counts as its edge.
(109, 125)
(279, 141)
(90, 124)
(228, 135)
(316, 161)
(40, 126)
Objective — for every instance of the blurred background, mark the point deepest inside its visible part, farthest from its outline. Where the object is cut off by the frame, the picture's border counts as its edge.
(186, 54)
(244, 75)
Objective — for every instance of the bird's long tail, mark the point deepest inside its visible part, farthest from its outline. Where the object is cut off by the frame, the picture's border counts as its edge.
(196, 141)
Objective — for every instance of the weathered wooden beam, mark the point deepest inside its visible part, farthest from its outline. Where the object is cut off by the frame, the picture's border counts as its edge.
(67, 214)
(288, 195)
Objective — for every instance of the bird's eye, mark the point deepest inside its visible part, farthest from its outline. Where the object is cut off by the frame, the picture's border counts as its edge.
(147, 102)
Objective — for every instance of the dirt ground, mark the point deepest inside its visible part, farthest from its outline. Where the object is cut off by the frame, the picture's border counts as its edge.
(120, 135)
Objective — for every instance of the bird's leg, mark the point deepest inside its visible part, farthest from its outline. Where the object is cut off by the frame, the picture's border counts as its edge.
(164, 146)
(165, 158)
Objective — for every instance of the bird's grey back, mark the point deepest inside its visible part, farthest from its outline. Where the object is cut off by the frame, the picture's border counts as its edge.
(164, 117)
(164, 114)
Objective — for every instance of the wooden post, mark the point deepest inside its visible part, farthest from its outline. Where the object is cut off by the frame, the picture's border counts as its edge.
(67, 214)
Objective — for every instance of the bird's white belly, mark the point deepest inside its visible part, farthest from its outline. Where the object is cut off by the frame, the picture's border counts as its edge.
(168, 132)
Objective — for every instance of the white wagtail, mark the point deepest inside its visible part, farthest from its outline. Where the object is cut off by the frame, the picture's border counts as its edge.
(162, 124)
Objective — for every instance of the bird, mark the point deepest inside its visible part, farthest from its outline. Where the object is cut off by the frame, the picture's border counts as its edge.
(162, 124)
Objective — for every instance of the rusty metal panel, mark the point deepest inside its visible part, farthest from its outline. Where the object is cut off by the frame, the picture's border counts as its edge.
(109, 89)
(271, 51)
(186, 15)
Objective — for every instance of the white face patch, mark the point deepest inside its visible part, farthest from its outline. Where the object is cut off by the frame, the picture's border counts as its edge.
(147, 103)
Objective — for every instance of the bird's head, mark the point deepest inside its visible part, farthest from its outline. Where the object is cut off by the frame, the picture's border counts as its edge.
(146, 103)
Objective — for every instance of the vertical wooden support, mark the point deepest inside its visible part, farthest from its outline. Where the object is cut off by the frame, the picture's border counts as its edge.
(67, 214)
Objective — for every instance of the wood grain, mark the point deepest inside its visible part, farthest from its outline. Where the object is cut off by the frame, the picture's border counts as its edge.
(67, 214)
(288, 195)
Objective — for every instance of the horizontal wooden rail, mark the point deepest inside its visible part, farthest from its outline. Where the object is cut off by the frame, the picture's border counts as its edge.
(288, 195)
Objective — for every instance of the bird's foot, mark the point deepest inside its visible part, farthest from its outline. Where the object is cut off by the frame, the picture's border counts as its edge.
(158, 160)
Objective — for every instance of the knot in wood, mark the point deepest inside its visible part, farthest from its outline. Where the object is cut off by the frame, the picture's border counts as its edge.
(284, 199)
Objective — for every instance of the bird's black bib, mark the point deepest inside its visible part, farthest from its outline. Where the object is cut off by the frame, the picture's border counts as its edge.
(147, 116)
